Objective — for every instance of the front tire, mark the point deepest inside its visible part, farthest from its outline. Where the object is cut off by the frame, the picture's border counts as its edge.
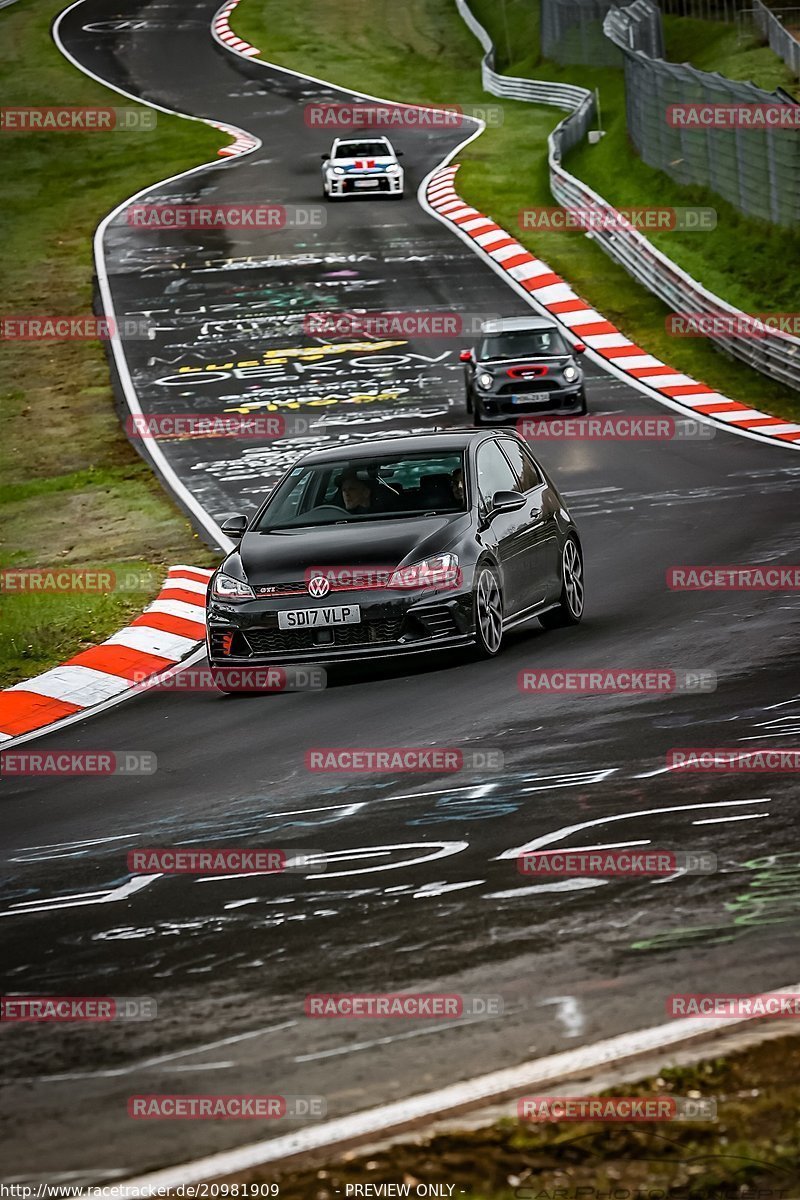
(570, 605)
(488, 614)
(478, 419)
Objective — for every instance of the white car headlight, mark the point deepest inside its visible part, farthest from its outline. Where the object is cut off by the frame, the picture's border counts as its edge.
(227, 588)
(485, 380)
(570, 373)
(392, 169)
(441, 571)
(338, 171)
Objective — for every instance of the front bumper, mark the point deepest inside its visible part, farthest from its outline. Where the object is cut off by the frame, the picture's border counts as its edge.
(391, 624)
(366, 183)
(563, 401)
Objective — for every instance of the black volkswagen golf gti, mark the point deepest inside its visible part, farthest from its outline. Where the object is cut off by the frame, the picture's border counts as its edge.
(396, 546)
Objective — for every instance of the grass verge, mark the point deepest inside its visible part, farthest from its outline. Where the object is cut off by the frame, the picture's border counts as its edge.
(74, 491)
(750, 1152)
(422, 52)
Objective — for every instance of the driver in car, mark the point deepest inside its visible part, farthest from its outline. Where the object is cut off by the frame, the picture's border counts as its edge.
(356, 493)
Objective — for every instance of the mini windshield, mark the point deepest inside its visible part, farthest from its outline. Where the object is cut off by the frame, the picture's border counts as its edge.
(362, 150)
(374, 489)
(521, 343)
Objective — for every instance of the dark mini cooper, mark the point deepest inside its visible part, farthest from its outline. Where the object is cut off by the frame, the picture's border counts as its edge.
(520, 366)
(393, 547)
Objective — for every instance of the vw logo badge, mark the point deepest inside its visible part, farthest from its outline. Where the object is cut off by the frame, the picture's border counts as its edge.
(318, 585)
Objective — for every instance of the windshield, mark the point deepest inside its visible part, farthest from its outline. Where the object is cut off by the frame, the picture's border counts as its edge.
(362, 150)
(366, 490)
(521, 343)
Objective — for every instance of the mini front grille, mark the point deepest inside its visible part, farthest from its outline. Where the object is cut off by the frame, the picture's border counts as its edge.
(520, 387)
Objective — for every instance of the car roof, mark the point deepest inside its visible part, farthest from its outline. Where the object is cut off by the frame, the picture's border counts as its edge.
(412, 443)
(506, 324)
(361, 137)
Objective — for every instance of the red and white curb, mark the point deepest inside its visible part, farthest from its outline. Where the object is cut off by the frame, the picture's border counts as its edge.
(167, 631)
(583, 323)
(242, 142)
(225, 34)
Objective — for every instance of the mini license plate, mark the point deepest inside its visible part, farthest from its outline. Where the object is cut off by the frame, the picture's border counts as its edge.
(530, 397)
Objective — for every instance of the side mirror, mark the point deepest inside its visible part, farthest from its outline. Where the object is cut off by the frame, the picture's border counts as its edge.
(507, 502)
(579, 347)
(235, 526)
(323, 157)
(399, 153)
(465, 356)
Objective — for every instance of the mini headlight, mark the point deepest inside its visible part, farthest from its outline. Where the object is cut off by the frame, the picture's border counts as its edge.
(570, 373)
(485, 380)
(441, 571)
(227, 588)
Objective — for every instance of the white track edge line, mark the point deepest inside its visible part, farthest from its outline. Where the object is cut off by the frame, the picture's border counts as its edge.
(384, 1119)
(156, 454)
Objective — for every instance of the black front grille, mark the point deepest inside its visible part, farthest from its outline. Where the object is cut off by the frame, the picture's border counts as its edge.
(278, 641)
(521, 387)
(383, 185)
(365, 577)
(282, 589)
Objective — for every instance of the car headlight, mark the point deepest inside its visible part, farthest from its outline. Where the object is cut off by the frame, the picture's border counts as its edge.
(570, 373)
(441, 571)
(485, 380)
(392, 169)
(338, 171)
(227, 588)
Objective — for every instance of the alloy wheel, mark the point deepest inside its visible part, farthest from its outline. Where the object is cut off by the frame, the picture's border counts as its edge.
(489, 612)
(573, 578)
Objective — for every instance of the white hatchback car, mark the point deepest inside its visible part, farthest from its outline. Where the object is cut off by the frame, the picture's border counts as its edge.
(360, 166)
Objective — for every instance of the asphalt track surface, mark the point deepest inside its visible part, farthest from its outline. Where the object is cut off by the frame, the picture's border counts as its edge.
(434, 906)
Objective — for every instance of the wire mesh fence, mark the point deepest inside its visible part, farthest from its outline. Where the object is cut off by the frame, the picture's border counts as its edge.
(772, 27)
(675, 120)
(571, 32)
(776, 355)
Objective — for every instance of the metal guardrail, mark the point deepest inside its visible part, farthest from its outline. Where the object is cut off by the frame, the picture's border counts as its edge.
(774, 354)
(559, 95)
(781, 41)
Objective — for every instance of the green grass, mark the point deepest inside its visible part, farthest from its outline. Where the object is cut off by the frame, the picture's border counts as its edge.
(716, 46)
(74, 491)
(422, 51)
(752, 1149)
(38, 630)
